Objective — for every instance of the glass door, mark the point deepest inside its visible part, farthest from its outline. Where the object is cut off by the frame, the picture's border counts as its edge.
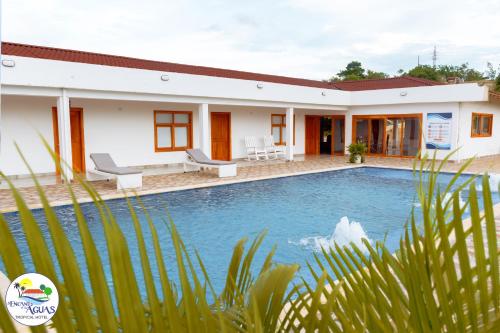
(325, 146)
(362, 131)
(338, 136)
(393, 130)
(389, 135)
(411, 136)
(376, 142)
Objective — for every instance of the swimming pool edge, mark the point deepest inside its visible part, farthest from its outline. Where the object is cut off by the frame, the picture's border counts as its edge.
(124, 194)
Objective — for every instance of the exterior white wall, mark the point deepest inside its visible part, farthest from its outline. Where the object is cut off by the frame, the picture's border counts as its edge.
(126, 131)
(246, 121)
(23, 120)
(479, 146)
(256, 121)
(81, 78)
(119, 106)
(123, 129)
(410, 109)
(71, 75)
(467, 92)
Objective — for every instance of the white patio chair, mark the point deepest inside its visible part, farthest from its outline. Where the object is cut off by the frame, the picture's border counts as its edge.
(273, 151)
(253, 151)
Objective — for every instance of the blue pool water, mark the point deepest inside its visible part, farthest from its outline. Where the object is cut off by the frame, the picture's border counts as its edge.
(295, 210)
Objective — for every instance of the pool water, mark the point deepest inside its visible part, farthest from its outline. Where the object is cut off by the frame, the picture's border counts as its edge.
(298, 212)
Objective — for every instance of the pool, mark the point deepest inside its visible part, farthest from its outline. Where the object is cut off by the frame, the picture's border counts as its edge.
(299, 213)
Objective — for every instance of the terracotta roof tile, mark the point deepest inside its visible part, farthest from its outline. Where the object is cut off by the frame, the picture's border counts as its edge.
(51, 53)
(43, 52)
(494, 96)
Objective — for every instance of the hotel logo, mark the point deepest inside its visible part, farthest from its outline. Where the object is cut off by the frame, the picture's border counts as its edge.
(32, 299)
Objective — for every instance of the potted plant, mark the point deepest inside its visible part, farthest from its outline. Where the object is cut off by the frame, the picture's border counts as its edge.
(357, 152)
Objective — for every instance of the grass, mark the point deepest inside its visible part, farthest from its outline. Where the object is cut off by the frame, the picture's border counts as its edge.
(432, 283)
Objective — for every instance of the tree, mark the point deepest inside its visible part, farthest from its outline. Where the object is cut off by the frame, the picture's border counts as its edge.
(46, 290)
(425, 72)
(497, 88)
(355, 71)
(491, 73)
(443, 72)
(463, 71)
(376, 75)
(18, 287)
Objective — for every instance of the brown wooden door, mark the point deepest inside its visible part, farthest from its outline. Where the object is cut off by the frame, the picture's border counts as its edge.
(77, 144)
(77, 138)
(221, 135)
(312, 135)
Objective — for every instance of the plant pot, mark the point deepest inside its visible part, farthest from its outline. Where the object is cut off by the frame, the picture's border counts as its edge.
(357, 159)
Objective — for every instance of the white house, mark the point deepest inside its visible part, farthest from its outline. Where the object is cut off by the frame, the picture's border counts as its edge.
(148, 112)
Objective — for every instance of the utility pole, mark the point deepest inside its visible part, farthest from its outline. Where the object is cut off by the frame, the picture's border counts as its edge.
(418, 60)
(434, 57)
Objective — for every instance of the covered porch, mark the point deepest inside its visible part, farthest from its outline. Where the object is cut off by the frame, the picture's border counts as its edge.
(151, 132)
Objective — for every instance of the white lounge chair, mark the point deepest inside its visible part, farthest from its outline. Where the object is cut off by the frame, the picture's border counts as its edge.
(272, 150)
(254, 152)
(126, 178)
(197, 158)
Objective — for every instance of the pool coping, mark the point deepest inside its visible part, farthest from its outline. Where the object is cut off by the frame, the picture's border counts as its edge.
(222, 182)
(124, 194)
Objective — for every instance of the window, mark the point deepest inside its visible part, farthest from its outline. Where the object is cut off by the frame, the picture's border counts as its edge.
(173, 130)
(278, 128)
(482, 125)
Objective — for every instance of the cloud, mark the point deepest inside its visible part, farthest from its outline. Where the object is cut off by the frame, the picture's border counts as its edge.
(304, 38)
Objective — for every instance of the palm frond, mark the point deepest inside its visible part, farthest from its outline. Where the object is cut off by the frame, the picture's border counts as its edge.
(444, 276)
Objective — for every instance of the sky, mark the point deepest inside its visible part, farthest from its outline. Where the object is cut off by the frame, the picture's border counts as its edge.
(302, 38)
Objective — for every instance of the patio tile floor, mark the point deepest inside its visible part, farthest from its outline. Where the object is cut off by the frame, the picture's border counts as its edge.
(156, 181)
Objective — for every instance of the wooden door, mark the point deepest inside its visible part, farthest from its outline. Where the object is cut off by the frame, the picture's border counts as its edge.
(221, 135)
(312, 135)
(77, 138)
(77, 144)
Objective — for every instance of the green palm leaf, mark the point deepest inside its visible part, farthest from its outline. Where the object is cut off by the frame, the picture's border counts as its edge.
(444, 276)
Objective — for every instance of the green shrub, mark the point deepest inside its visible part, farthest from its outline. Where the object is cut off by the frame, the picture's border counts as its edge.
(357, 149)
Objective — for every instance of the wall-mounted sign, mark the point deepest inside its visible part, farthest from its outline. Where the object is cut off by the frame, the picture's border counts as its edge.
(439, 131)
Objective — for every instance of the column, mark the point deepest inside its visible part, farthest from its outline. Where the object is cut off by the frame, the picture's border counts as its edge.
(289, 134)
(204, 128)
(64, 125)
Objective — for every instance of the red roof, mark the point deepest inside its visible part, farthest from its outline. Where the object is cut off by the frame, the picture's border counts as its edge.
(32, 291)
(390, 83)
(43, 52)
(494, 96)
